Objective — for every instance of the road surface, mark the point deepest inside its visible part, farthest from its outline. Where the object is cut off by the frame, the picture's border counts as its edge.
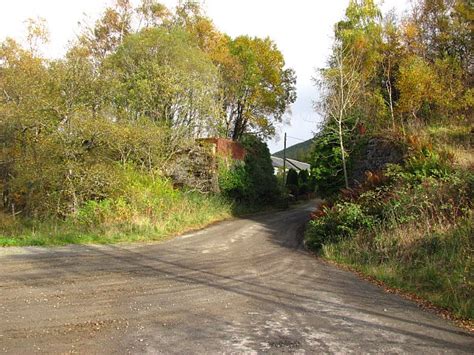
(239, 286)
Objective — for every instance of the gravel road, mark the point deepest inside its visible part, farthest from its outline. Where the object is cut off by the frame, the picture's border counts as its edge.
(244, 285)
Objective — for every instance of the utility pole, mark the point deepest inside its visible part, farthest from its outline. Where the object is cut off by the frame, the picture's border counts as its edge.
(284, 161)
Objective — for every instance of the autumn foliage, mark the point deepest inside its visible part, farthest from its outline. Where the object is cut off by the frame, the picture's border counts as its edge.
(408, 80)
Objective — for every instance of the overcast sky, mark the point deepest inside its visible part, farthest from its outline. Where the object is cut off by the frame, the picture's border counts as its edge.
(302, 30)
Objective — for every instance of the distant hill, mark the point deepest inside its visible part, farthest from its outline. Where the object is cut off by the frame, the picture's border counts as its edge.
(298, 151)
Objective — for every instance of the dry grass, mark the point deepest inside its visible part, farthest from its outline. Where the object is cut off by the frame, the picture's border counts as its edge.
(462, 157)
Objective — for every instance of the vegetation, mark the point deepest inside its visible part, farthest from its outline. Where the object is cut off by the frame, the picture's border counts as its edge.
(148, 209)
(392, 77)
(300, 184)
(412, 229)
(101, 145)
(251, 182)
(408, 81)
(264, 90)
(326, 162)
(292, 181)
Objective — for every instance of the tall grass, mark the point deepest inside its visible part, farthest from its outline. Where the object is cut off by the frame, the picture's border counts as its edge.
(436, 264)
(148, 209)
(456, 141)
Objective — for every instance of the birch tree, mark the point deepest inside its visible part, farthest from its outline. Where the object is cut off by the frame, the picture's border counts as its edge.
(392, 53)
(341, 88)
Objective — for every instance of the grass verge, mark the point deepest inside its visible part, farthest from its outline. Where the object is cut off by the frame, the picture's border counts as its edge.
(190, 213)
(147, 210)
(439, 271)
(410, 227)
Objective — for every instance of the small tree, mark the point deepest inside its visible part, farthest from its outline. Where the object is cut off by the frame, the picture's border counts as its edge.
(292, 181)
(326, 163)
(303, 176)
(253, 181)
(292, 177)
(392, 53)
(341, 88)
(303, 181)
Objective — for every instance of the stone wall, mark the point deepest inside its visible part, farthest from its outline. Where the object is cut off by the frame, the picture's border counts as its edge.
(194, 168)
(375, 155)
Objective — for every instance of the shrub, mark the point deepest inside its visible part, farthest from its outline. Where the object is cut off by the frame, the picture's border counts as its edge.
(58, 171)
(303, 176)
(326, 163)
(251, 182)
(304, 182)
(292, 182)
(304, 188)
(259, 167)
(292, 177)
(341, 221)
(426, 164)
(233, 180)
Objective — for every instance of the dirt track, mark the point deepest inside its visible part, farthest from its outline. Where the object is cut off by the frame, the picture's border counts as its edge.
(239, 286)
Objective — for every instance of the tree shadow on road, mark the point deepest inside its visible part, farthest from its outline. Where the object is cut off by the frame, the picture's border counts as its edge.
(264, 264)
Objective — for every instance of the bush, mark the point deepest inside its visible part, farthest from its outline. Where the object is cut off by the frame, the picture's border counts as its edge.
(304, 188)
(304, 181)
(426, 164)
(58, 171)
(233, 180)
(292, 177)
(263, 186)
(252, 182)
(303, 177)
(326, 163)
(292, 182)
(341, 221)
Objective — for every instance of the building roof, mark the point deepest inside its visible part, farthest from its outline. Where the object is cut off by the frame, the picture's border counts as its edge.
(290, 164)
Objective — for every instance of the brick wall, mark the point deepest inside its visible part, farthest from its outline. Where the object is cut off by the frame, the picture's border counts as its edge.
(226, 147)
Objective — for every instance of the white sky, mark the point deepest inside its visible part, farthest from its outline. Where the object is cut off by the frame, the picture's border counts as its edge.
(302, 30)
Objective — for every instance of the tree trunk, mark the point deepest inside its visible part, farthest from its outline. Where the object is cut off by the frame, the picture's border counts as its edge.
(343, 155)
(238, 126)
(389, 90)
